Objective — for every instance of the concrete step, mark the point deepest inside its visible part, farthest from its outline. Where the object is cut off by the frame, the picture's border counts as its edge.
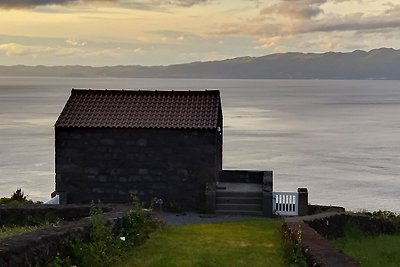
(234, 194)
(239, 200)
(242, 207)
(240, 212)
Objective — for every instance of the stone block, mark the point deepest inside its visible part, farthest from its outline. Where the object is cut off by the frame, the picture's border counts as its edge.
(102, 178)
(143, 171)
(107, 141)
(98, 190)
(101, 149)
(142, 142)
(148, 178)
(75, 136)
(303, 201)
(115, 171)
(133, 191)
(267, 203)
(68, 168)
(92, 171)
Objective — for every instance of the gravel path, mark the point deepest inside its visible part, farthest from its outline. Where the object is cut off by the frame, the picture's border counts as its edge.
(196, 218)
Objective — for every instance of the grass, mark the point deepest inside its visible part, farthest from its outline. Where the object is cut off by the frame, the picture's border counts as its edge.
(16, 230)
(232, 244)
(370, 250)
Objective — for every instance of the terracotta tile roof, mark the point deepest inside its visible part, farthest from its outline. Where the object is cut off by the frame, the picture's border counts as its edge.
(141, 109)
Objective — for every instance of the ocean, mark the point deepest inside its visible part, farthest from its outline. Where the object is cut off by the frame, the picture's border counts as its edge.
(340, 139)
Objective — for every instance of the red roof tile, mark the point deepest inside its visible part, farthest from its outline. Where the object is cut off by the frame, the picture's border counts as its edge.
(141, 109)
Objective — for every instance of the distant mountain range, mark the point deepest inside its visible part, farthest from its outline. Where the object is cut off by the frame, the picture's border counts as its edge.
(383, 63)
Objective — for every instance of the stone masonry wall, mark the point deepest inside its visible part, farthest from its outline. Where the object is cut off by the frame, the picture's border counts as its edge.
(28, 214)
(112, 164)
(36, 248)
(243, 176)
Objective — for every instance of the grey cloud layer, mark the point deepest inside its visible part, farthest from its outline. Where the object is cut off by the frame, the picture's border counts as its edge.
(305, 13)
(35, 3)
(15, 4)
(186, 3)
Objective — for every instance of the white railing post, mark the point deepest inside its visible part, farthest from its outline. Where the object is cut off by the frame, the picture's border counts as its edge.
(285, 203)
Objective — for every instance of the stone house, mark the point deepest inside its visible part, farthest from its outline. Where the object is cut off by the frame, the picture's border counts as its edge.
(112, 144)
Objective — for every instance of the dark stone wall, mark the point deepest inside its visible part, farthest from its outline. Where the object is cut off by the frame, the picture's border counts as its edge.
(243, 176)
(110, 165)
(36, 248)
(334, 226)
(39, 213)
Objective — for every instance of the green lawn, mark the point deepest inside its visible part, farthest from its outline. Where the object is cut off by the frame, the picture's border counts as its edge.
(243, 243)
(371, 251)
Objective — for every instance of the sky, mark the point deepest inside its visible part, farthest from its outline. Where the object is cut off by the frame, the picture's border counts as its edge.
(163, 32)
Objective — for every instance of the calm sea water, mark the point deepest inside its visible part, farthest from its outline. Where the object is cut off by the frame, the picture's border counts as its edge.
(341, 139)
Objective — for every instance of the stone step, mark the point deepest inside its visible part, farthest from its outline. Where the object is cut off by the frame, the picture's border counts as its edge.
(242, 207)
(221, 193)
(240, 212)
(239, 200)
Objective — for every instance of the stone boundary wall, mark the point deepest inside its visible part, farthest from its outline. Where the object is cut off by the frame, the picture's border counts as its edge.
(319, 252)
(35, 248)
(313, 232)
(26, 214)
(316, 209)
(334, 226)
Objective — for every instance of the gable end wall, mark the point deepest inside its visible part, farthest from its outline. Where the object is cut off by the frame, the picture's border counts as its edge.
(110, 165)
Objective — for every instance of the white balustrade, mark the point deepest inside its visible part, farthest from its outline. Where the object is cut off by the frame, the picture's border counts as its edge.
(285, 203)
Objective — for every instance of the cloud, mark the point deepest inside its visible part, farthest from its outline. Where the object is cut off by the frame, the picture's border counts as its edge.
(315, 24)
(75, 42)
(355, 23)
(300, 17)
(14, 4)
(298, 9)
(183, 3)
(13, 49)
(33, 51)
(141, 4)
(138, 51)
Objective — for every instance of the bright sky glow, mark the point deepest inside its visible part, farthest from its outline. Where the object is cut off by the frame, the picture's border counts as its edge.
(161, 32)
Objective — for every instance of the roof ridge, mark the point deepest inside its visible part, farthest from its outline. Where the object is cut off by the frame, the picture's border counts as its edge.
(141, 91)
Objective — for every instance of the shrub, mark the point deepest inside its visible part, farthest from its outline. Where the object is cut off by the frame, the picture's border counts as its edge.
(105, 247)
(137, 225)
(387, 215)
(17, 198)
(294, 256)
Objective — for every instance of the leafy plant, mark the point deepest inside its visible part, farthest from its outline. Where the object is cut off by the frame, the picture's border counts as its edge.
(387, 215)
(17, 198)
(138, 224)
(105, 247)
(294, 256)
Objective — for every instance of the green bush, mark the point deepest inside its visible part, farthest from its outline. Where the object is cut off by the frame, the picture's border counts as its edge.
(17, 198)
(105, 247)
(291, 243)
(137, 225)
(390, 216)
